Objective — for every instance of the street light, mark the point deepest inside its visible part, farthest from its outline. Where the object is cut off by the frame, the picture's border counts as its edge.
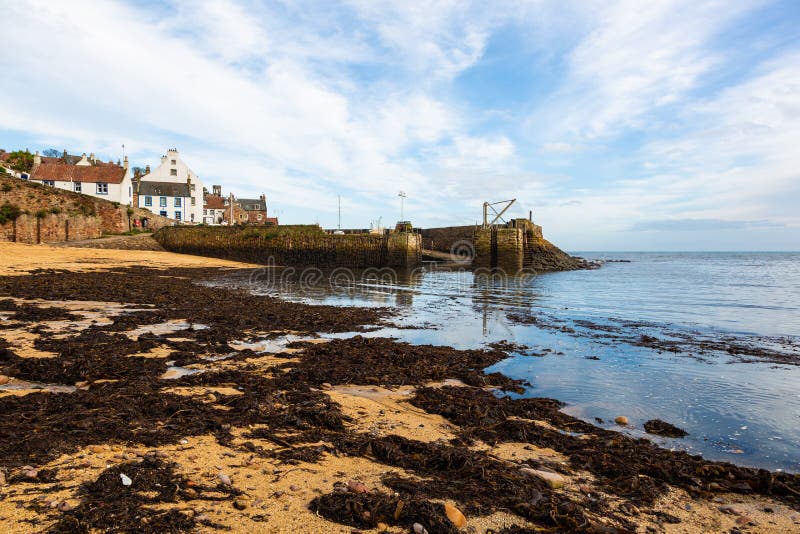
(402, 195)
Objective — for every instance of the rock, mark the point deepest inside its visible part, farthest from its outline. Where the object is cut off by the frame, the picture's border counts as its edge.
(64, 507)
(190, 493)
(744, 520)
(126, 480)
(4, 380)
(382, 527)
(621, 420)
(356, 486)
(340, 487)
(419, 529)
(730, 509)
(662, 428)
(326, 385)
(96, 449)
(211, 397)
(454, 515)
(29, 472)
(586, 490)
(554, 480)
(241, 503)
(294, 488)
(225, 479)
(2, 479)
(202, 518)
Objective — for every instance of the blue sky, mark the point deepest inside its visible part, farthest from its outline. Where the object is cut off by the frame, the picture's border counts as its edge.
(662, 125)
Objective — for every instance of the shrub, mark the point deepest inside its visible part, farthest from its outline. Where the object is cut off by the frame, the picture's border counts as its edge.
(9, 212)
(41, 214)
(7, 188)
(21, 161)
(55, 210)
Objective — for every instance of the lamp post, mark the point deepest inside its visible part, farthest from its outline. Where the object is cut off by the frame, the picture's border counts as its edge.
(402, 195)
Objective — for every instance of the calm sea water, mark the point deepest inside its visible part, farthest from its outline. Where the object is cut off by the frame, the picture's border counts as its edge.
(584, 346)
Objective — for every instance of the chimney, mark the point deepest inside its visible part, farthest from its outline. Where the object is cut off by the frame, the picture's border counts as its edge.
(125, 163)
(262, 198)
(163, 159)
(65, 155)
(217, 189)
(92, 158)
(147, 169)
(37, 159)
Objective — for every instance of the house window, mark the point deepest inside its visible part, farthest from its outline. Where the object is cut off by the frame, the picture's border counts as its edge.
(49, 182)
(173, 172)
(162, 213)
(162, 202)
(259, 216)
(102, 188)
(205, 212)
(76, 187)
(173, 162)
(194, 201)
(130, 192)
(177, 216)
(177, 202)
(148, 201)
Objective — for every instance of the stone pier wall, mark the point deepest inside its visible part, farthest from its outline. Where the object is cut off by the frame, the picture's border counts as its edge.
(297, 246)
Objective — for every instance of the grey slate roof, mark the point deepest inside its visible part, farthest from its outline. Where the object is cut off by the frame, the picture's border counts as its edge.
(252, 204)
(164, 189)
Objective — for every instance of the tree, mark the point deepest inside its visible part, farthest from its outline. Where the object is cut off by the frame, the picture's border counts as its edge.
(21, 161)
(52, 153)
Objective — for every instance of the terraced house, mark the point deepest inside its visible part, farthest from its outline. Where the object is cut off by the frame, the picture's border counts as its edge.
(85, 175)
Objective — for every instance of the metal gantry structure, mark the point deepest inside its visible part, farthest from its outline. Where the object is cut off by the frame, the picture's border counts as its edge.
(498, 214)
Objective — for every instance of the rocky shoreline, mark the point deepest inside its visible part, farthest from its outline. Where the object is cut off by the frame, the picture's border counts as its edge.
(144, 402)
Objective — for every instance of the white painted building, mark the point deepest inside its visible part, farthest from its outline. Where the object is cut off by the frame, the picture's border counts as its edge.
(185, 202)
(88, 176)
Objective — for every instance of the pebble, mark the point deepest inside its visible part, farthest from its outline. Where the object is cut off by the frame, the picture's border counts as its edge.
(201, 518)
(382, 527)
(126, 480)
(294, 488)
(553, 480)
(225, 479)
(621, 420)
(211, 397)
(241, 503)
(326, 385)
(454, 515)
(356, 486)
(419, 529)
(97, 449)
(29, 472)
(190, 493)
(743, 520)
(4, 380)
(728, 509)
(65, 507)
(586, 490)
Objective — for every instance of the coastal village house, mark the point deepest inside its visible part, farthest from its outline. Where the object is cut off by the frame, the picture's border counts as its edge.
(85, 175)
(171, 190)
(214, 206)
(218, 209)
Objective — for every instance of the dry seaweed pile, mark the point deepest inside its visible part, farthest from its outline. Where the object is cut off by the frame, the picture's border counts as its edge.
(385, 362)
(109, 504)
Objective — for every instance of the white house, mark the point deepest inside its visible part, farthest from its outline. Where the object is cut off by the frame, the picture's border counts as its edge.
(88, 176)
(185, 191)
(167, 199)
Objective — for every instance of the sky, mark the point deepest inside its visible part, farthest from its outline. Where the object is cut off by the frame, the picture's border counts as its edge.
(622, 125)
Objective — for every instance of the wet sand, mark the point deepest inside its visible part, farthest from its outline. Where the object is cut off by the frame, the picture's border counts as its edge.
(117, 363)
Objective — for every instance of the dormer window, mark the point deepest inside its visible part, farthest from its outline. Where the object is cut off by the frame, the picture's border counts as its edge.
(173, 172)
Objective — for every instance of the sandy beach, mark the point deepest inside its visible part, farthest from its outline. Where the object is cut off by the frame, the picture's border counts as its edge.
(137, 400)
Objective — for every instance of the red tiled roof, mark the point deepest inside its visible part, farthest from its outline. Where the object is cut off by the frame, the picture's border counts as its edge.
(112, 174)
(214, 202)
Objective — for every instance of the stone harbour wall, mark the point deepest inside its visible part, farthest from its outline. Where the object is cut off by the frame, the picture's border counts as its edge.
(296, 246)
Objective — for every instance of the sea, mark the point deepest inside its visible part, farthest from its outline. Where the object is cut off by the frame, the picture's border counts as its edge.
(707, 341)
